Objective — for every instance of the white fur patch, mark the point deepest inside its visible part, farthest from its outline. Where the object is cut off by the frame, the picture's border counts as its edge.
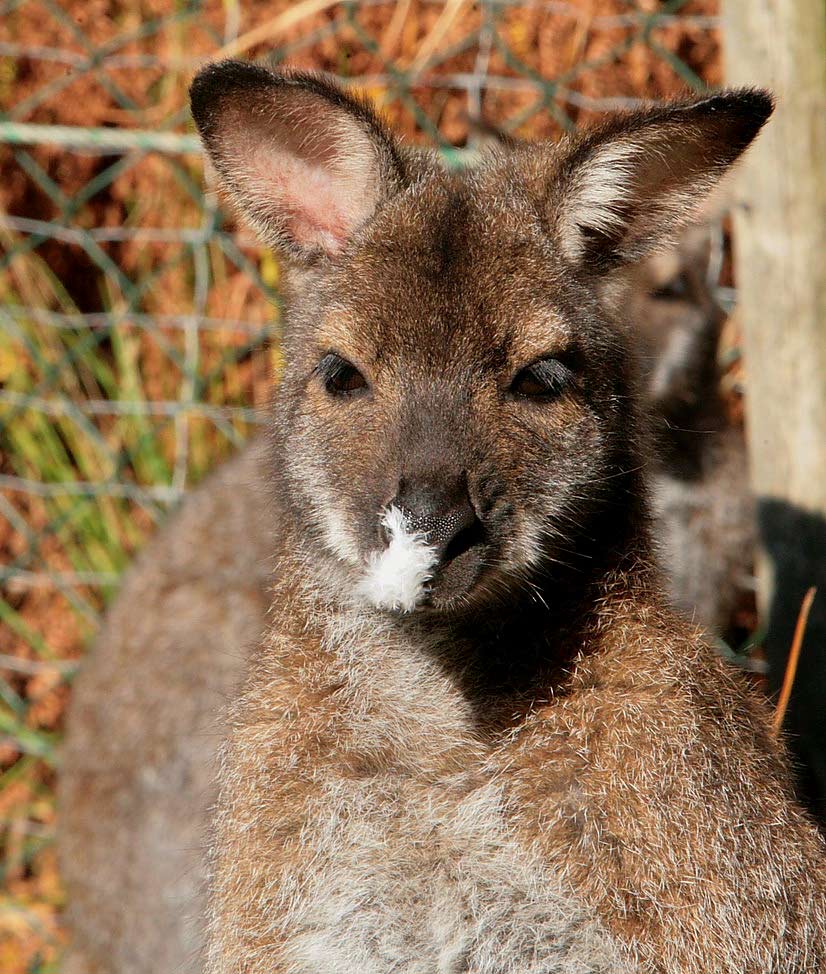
(603, 184)
(396, 577)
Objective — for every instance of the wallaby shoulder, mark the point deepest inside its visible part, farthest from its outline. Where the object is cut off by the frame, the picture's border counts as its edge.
(627, 778)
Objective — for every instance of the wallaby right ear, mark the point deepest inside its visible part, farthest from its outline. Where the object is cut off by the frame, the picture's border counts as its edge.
(305, 163)
(627, 187)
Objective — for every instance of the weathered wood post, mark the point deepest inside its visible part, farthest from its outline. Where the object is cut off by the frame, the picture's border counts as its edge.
(780, 250)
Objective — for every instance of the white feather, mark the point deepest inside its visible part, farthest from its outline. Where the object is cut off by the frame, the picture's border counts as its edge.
(396, 577)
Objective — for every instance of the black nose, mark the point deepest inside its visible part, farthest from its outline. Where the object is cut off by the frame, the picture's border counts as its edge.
(443, 513)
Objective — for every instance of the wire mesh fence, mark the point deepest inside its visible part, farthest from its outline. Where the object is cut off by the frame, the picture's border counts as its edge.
(139, 324)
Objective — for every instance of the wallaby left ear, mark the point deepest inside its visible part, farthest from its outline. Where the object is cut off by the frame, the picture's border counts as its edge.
(304, 161)
(625, 188)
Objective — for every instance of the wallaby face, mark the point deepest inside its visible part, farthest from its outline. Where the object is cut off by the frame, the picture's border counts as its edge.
(457, 409)
(454, 376)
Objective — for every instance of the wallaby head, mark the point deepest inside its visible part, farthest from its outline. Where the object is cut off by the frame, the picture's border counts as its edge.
(457, 412)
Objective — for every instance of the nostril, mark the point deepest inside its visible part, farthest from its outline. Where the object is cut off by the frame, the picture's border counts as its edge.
(465, 539)
(452, 533)
(438, 528)
(442, 513)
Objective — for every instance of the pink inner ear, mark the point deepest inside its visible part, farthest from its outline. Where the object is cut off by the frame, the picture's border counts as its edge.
(316, 203)
(313, 212)
(305, 172)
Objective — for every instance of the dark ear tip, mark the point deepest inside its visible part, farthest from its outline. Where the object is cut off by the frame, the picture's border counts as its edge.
(225, 79)
(741, 112)
(756, 102)
(749, 104)
(220, 78)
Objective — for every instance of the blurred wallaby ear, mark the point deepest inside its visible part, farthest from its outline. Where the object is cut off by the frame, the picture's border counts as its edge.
(306, 163)
(627, 187)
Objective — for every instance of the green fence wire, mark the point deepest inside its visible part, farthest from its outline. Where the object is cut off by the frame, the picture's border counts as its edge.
(138, 325)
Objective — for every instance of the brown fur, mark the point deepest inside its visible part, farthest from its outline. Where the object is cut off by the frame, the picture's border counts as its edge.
(704, 522)
(429, 789)
(647, 777)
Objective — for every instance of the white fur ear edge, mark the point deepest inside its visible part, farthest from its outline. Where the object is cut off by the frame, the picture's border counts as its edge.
(601, 186)
(396, 577)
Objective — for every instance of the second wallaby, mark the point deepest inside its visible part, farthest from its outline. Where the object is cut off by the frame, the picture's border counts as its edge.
(137, 768)
(474, 724)
(704, 516)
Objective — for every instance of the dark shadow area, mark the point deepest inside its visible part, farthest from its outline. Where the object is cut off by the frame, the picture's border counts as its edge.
(795, 541)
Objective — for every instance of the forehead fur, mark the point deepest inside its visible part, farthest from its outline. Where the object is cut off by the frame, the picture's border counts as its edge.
(458, 258)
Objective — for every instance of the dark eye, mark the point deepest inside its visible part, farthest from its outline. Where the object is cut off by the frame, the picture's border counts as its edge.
(340, 377)
(678, 286)
(543, 379)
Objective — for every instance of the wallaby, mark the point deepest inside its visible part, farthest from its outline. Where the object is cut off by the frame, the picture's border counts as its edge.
(704, 517)
(473, 716)
(138, 759)
(132, 745)
(138, 739)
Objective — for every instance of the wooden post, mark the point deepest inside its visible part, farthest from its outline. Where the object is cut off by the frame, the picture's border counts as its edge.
(780, 251)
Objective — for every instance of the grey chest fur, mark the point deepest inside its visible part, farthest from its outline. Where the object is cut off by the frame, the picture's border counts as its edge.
(428, 880)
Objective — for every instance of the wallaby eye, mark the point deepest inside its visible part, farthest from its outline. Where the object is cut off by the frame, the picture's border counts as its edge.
(544, 379)
(671, 290)
(340, 377)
